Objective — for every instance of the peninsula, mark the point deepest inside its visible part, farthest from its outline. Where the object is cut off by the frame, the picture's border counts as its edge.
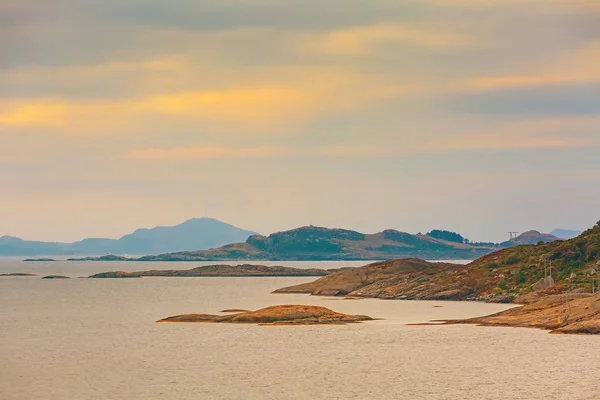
(502, 276)
(554, 280)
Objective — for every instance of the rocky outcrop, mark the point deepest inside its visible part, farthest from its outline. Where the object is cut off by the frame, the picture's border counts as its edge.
(56, 277)
(219, 270)
(395, 279)
(276, 315)
(559, 313)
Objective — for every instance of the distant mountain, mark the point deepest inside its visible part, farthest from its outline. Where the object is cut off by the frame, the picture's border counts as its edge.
(531, 237)
(565, 233)
(194, 234)
(316, 243)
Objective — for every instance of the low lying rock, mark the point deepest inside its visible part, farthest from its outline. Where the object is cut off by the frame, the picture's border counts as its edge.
(56, 277)
(276, 315)
(574, 313)
(219, 270)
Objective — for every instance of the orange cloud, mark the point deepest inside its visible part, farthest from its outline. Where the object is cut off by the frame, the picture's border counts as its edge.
(508, 82)
(37, 112)
(295, 98)
(204, 152)
(360, 40)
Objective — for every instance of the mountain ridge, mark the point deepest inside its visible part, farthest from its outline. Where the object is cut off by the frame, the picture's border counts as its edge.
(193, 234)
(312, 243)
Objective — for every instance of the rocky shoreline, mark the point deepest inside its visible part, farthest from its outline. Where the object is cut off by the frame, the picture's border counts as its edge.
(567, 313)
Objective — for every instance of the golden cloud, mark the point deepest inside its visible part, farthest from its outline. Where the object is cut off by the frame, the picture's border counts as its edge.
(362, 39)
(296, 97)
(204, 152)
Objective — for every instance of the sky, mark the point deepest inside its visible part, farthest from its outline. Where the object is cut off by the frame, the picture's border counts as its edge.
(478, 116)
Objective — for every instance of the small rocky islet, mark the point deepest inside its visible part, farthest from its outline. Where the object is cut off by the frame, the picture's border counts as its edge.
(275, 315)
(244, 270)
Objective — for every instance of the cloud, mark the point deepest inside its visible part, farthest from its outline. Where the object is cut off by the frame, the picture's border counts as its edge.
(546, 134)
(362, 39)
(203, 153)
(541, 5)
(532, 101)
(269, 100)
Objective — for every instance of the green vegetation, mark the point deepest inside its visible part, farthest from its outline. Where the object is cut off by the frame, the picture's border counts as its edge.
(517, 269)
(447, 235)
(317, 243)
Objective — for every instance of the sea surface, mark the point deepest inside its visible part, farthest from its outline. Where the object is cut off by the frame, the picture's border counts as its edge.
(98, 339)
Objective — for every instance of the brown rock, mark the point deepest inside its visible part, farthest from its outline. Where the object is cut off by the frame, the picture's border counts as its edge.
(560, 313)
(393, 279)
(276, 315)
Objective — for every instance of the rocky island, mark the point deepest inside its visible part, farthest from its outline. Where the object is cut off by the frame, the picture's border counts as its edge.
(276, 315)
(18, 274)
(56, 277)
(220, 270)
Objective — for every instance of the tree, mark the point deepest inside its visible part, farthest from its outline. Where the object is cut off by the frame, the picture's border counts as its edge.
(447, 235)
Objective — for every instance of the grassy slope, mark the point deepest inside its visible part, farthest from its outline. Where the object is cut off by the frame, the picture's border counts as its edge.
(314, 243)
(517, 269)
(500, 276)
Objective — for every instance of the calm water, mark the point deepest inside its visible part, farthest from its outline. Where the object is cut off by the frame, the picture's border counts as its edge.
(97, 339)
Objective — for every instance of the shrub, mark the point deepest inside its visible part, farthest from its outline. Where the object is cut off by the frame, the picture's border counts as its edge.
(520, 277)
(513, 259)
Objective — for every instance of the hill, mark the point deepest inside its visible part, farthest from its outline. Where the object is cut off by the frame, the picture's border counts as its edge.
(503, 276)
(194, 234)
(317, 243)
(531, 237)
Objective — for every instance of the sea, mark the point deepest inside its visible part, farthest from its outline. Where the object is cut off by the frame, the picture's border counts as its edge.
(98, 339)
